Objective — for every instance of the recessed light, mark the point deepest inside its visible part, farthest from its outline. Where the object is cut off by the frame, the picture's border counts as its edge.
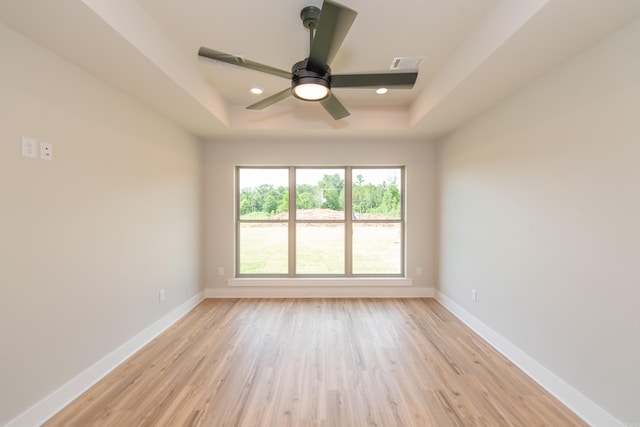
(382, 90)
(257, 90)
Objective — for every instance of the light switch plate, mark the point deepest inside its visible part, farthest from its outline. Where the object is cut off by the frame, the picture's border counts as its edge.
(28, 147)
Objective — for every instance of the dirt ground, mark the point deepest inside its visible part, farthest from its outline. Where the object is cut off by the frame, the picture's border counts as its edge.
(326, 214)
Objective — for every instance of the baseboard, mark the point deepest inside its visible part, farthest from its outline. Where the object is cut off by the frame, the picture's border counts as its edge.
(320, 292)
(582, 406)
(53, 403)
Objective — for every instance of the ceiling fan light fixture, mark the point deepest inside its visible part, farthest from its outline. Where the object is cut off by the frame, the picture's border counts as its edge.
(311, 78)
(311, 88)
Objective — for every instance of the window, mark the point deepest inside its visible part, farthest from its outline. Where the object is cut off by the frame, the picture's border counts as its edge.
(319, 222)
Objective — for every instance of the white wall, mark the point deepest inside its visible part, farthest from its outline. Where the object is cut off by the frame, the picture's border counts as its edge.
(223, 156)
(540, 210)
(86, 240)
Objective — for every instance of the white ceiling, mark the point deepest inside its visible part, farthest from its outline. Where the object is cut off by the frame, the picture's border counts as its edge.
(477, 52)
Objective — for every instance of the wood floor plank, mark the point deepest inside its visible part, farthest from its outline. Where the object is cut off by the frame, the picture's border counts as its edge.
(317, 362)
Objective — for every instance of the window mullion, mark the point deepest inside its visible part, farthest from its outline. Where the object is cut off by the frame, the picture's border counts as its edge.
(237, 221)
(292, 221)
(348, 226)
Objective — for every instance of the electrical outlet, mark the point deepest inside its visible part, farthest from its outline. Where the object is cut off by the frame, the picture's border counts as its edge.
(46, 151)
(221, 271)
(162, 296)
(474, 295)
(419, 271)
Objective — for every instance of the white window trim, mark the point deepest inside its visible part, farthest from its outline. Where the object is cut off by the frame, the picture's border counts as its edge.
(320, 282)
(326, 280)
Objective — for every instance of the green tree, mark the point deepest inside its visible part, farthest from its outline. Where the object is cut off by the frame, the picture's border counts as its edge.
(307, 197)
(332, 187)
(265, 199)
(283, 205)
(245, 202)
(391, 202)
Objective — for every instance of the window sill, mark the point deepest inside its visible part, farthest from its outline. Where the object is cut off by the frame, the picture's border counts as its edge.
(316, 282)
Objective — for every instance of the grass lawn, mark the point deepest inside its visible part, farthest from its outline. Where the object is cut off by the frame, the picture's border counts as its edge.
(320, 249)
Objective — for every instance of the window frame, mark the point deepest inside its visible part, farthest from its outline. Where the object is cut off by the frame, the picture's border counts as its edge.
(348, 221)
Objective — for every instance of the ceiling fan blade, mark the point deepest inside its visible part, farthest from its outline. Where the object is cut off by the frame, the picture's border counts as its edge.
(242, 62)
(334, 107)
(396, 80)
(333, 26)
(284, 94)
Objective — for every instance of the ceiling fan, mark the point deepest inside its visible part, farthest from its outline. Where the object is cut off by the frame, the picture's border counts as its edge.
(311, 78)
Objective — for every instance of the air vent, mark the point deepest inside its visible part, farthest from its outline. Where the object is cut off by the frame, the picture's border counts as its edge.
(407, 62)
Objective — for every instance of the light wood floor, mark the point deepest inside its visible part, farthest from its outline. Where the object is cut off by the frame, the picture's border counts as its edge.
(317, 362)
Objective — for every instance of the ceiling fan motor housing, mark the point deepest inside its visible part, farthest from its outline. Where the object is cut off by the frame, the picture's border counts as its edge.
(310, 16)
(304, 76)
